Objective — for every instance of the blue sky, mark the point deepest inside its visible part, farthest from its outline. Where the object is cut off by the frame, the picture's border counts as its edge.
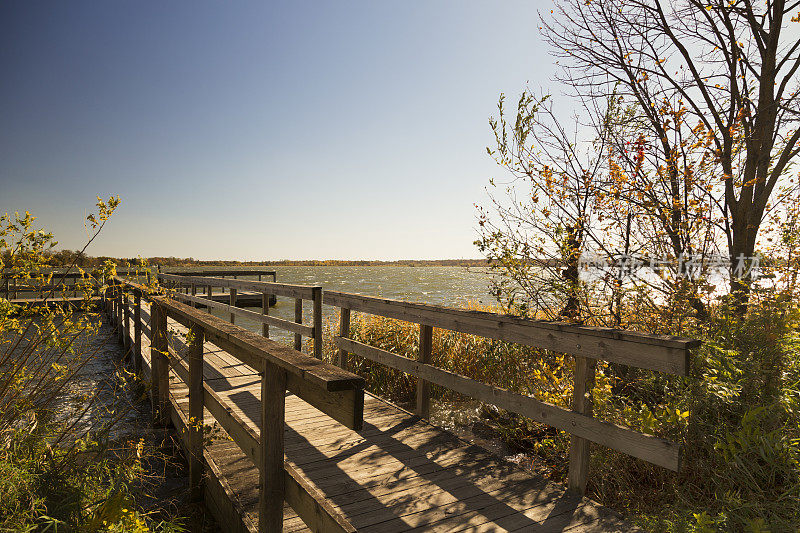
(255, 130)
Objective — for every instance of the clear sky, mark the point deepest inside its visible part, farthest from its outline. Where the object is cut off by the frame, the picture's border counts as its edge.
(260, 130)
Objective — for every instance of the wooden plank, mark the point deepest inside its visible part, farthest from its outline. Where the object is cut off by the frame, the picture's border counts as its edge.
(298, 318)
(137, 333)
(218, 272)
(126, 337)
(655, 352)
(233, 424)
(264, 311)
(312, 506)
(387, 479)
(264, 319)
(160, 366)
(317, 321)
(582, 404)
(423, 407)
(346, 407)
(252, 349)
(652, 449)
(271, 479)
(344, 331)
(279, 289)
(120, 320)
(195, 422)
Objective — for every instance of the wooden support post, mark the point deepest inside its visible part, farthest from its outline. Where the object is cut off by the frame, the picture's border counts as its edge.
(137, 333)
(271, 474)
(160, 365)
(209, 290)
(298, 317)
(344, 331)
(265, 311)
(317, 301)
(194, 293)
(233, 303)
(16, 290)
(126, 334)
(112, 304)
(581, 403)
(120, 323)
(424, 387)
(195, 357)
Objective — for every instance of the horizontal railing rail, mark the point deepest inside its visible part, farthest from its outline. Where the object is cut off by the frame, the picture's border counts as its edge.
(587, 344)
(334, 391)
(223, 272)
(653, 352)
(267, 290)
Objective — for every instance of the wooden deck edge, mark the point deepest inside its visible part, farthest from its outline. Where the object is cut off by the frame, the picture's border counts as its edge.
(220, 499)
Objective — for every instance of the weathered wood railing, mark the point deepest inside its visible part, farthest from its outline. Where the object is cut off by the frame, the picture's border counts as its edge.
(60, 284)
(267, 289)
(221, 273)
(335, 392)
(586, 344)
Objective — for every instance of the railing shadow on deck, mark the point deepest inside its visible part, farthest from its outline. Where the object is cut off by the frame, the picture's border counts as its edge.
(587, 345)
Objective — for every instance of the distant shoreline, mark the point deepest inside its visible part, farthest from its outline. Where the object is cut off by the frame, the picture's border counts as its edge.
(326, 262)
(64, 258)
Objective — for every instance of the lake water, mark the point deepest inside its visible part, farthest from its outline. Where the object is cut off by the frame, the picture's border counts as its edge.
(448, 286)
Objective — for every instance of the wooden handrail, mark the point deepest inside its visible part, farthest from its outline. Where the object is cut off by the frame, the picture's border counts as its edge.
(305, 292)
(252, 349)
(652, 449)
(288, 325)
(217, 272)
(298, 292)
(655, 352)
(330, 389)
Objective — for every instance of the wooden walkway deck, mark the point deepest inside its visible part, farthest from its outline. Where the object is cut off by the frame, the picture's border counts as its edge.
(399, 473)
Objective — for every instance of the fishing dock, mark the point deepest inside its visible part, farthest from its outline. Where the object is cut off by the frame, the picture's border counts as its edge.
(279, 440)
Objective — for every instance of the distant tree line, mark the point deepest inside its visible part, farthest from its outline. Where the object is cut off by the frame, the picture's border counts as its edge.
(63, 258)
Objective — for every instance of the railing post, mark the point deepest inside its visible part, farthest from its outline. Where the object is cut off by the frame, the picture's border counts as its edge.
(317, 301)
(298, 317)
(120, 321)
(195, 356)
(344, 331)
(271, 474)
(137, 333)
(126, 334)
(209, 290)
(112, 303)
(194, 293)
(160, 365)
(233, 303)
(423, 387)
(581, 403)
(265, 311)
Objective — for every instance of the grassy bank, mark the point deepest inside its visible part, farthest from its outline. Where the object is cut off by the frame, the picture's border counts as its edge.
(737, 416)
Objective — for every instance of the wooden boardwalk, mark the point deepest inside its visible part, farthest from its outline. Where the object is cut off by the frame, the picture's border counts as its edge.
(399, 473)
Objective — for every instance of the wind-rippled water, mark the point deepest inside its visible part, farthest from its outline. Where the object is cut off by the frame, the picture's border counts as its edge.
(448, 286)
